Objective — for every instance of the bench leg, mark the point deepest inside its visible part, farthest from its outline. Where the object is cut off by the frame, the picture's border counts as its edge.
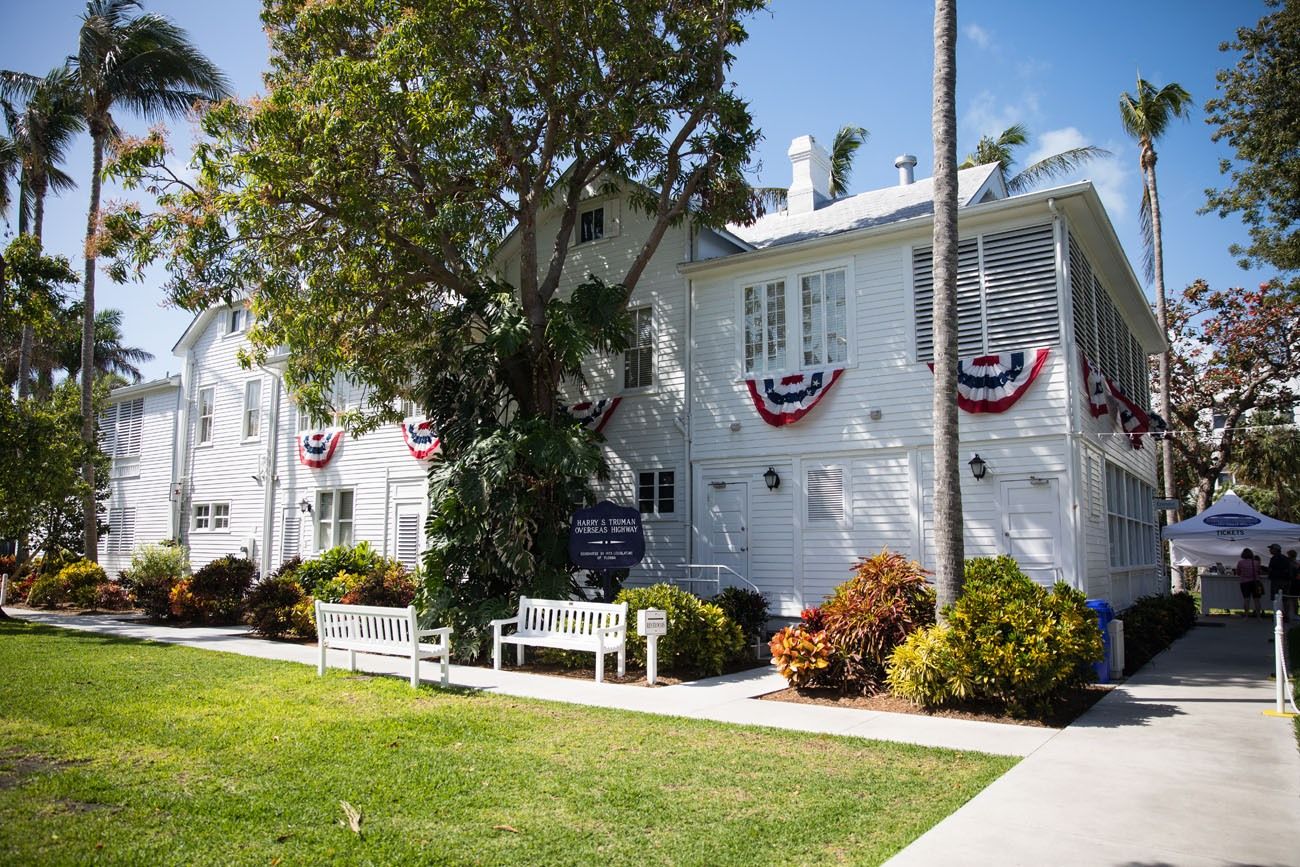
(622, 661)
(352, 660)
(496, 648)
(415, 671)
(519, 654)
(320, 669)
(446, 669)
(600, 665)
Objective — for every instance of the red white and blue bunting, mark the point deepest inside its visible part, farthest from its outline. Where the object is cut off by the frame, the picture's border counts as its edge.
(315, 448)
(420, 438)
(1105, 396)
(786, 400)
(993, 383)
(597, 413)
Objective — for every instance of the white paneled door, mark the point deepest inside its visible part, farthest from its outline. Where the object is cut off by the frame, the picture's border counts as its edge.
(1031, 527)
(726, 525)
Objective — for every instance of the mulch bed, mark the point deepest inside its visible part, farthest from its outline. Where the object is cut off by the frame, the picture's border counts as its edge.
(1066, 711)
(633, 676)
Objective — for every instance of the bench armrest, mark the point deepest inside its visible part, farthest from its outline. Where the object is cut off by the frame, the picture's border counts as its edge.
(444, 631)
(608, 630)
(505, 621)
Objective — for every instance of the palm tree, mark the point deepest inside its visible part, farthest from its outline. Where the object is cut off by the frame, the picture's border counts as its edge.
(1146, 116)
(843, 149)
(8, 175)
(950, 558)
(147, 64)
(1001, 150)
(42, 130)
(112, 356)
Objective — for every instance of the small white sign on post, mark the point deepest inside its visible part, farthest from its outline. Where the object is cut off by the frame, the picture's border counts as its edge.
(650, 624)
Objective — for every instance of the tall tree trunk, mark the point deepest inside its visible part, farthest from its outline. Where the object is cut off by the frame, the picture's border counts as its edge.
(1162, 319)
(89, 505)
(949, 553)
(29, 333)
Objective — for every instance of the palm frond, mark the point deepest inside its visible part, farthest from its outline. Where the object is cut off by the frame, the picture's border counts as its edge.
(843, 149)
(1054, 166)
(769, 199)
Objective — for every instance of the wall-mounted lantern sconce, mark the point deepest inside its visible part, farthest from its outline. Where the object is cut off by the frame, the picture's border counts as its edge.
(772, 480)
(978, 468)
(305, 506)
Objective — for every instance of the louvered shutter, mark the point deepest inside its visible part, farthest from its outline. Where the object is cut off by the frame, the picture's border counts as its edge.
(130, 421)
(1085, 308)
(108, 430)
(408, 535)
(1107, 318)
(290, 534)
(826, 494)
(121, 531)
(970, 328)
(1020, 288)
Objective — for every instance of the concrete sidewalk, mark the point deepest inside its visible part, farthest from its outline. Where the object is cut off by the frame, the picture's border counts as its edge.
(1176, 766)
(731, 698)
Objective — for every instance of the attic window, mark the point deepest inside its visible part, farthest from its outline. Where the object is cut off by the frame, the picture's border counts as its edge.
(592, 225)
(236, 321)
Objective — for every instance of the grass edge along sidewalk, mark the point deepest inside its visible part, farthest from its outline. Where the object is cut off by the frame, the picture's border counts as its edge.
(124, 751)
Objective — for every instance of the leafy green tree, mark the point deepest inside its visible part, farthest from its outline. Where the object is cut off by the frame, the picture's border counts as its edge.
(1146, 116)
(949, 565)
(43, 124)
(844, 149)
(113, 358)
(360, 202)
(1002, 150)
(31, 296)
(1234, 352)
(1257, 113)
(146, 64)
(1269, 460)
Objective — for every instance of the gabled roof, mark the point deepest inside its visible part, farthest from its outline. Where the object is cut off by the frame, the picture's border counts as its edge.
(199, 324)
(872, 208)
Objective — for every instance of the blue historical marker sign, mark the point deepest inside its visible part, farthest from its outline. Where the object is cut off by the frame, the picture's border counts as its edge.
(606, 536)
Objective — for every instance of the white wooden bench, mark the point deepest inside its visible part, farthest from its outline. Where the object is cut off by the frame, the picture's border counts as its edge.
(372, 629)
(594, 627)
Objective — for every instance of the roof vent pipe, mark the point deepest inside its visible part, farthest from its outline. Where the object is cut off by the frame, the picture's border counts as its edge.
(905, 164)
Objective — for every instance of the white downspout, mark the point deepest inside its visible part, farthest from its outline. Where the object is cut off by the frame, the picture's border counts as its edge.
(1074, 443)
(178, 434)
(269, 477)
(688, 374)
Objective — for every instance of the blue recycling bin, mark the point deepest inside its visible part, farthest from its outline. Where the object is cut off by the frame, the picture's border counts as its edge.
(1105, 614)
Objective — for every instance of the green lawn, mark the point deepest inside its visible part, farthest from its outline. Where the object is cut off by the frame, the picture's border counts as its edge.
(115, 751)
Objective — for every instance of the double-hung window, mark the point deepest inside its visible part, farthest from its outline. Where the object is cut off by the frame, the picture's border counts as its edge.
(591, 225)
(252, 409)
(638, 360)
(333, 518)
(656, 492)
(207, 408)
(214, 517)
(825, 318)
(237, 320)
(765, 327)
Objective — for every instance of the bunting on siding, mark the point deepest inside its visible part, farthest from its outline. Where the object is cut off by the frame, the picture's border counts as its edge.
(1098, 392)
(315, 448)
(1106, 396)
(596, 413)
(786, 400)
(993, 383)
(420, 438)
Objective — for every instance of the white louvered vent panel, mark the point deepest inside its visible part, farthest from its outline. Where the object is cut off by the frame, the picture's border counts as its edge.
(408, 538)
(970, 328)
(121, 531)
(130, 421)
(1020, 288)
(1142, 384)
(291, 535)
(1107, 345)
(826, 494)
(1085, 309)
(108, 430)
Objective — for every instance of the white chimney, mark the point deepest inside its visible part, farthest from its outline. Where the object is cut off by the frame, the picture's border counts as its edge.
(811, 185)
(905, 163)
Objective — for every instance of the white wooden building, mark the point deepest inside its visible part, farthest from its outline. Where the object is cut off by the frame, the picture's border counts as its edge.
(839, 289)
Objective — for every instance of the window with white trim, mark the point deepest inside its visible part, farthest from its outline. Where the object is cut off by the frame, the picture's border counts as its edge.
(638, 360)
(825, 318)
(656, 492)
(765, 327)
(210, 517)
(1131, 519)
(121, 531)
(333, 514)
(825, 493)
(252, 409)
(120, 427)
(591, 225)
(207, 410)
(1006, 293)
(236, 320)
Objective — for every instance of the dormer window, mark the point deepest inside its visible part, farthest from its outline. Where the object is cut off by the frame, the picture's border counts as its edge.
(237, 320)
(592, 225)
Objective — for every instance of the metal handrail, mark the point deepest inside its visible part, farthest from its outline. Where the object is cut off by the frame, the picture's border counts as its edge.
(716, 580)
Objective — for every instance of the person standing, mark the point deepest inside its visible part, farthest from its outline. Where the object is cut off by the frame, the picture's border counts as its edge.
(1279, 571)
(1251, 586)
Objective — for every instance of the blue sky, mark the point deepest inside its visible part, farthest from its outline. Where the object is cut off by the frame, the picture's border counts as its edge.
(811, 66)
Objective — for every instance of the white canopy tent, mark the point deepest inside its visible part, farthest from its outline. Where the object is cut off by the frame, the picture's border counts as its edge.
(1218, 534)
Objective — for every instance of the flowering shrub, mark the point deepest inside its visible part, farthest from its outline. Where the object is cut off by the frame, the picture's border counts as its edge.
(112, 596)
(800, 656)
(270, 605)
(360, 559)
(47, 591)
(152, 575)
(701, 638)
(215, 593)
(81, 581)
(390, 586)
(812, 619)
(303, 618)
